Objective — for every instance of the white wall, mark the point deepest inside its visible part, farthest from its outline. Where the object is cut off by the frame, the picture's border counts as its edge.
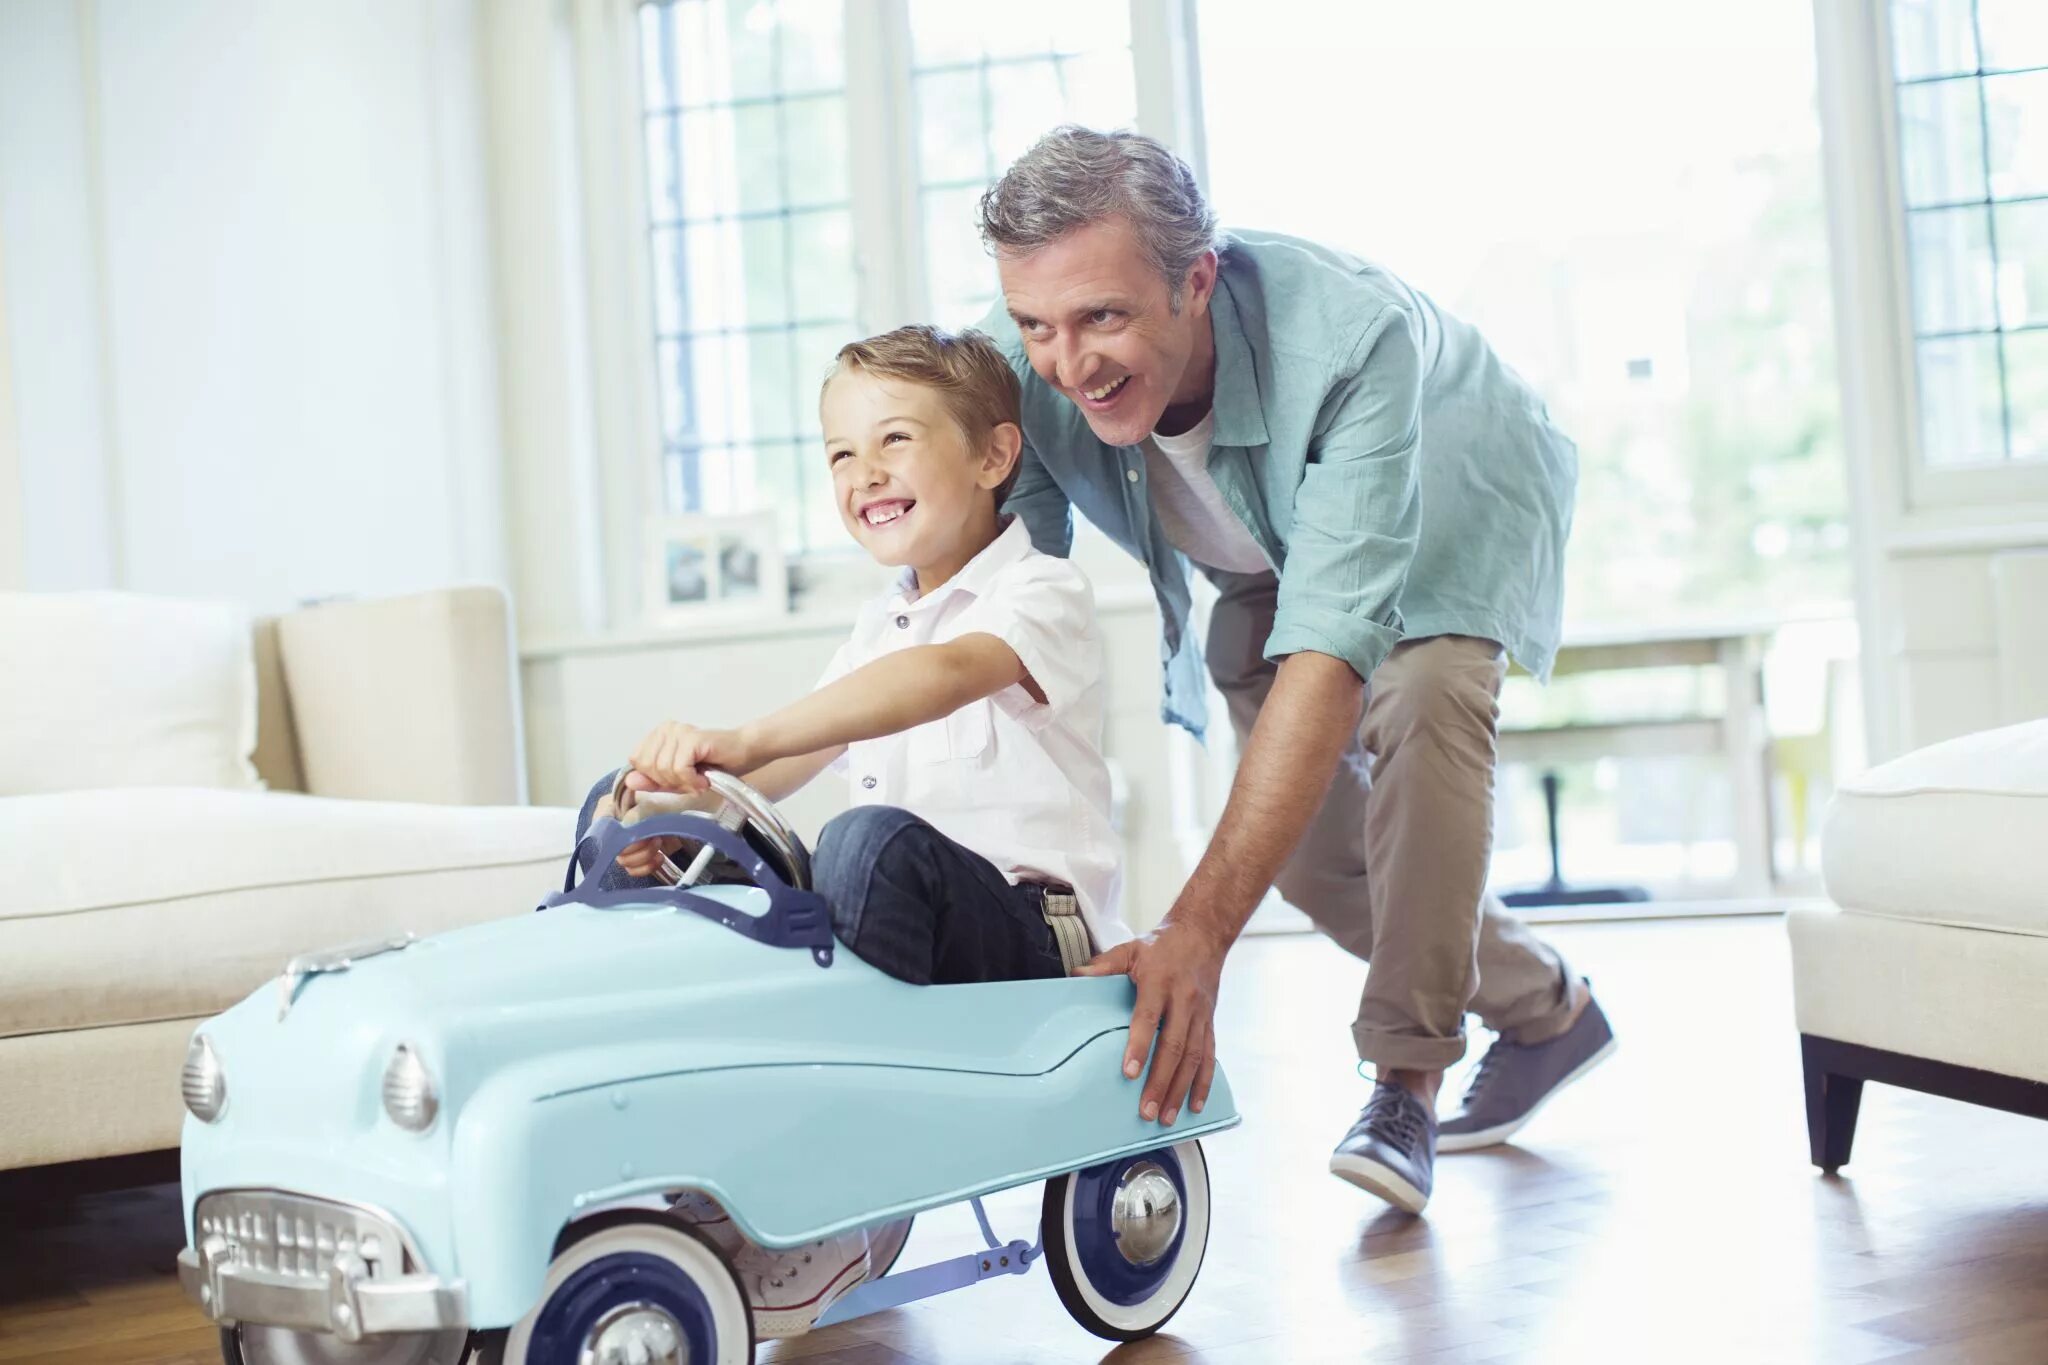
(248, 301)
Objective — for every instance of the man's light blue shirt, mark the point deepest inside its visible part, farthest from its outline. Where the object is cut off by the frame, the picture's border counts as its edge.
(1400, 479)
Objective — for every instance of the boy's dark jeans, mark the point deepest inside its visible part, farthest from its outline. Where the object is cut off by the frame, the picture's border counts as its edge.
(911, 902)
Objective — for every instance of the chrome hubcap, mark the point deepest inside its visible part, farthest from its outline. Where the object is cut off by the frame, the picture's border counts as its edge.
(1145, 1214)
(635, 1334)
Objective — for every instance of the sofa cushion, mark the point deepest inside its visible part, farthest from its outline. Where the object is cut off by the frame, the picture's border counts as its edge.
(135, 905)
(1950, 834)
(106, 689)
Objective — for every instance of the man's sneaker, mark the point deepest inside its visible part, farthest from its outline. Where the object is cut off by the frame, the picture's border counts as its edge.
(1514, 1080)
(706, 1215)
(788, 1289)
(1391, 1150)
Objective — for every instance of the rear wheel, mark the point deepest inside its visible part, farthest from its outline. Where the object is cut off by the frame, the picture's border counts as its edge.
(1124, 1240)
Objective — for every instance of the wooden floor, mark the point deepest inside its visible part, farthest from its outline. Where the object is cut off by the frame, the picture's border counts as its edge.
(1663, 1211)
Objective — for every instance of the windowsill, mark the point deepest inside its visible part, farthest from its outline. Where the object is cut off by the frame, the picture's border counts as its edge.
(832, 618)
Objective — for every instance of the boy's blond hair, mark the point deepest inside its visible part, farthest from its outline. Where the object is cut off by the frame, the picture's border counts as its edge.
(976, 384)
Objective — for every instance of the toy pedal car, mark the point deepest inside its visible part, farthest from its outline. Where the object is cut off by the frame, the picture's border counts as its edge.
(456, 1149)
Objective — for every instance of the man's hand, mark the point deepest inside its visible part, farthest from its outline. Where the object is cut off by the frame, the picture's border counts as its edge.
(1176, 969)
(674, 755)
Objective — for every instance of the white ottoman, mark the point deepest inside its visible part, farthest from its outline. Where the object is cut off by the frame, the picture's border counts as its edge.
(1930, 970)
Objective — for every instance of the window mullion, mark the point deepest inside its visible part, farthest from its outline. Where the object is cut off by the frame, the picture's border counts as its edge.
(1167, 77)
(882, 143)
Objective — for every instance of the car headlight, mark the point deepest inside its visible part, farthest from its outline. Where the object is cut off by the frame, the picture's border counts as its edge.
(409, 1096)
(203, 1083)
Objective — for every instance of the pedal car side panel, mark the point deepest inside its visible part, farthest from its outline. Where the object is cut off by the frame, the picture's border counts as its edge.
(795, 1151)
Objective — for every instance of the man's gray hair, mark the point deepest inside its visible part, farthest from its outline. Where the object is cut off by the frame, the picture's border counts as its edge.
(1075, 176)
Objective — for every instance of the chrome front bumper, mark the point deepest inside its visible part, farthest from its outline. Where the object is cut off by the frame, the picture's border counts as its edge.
(286, 1260)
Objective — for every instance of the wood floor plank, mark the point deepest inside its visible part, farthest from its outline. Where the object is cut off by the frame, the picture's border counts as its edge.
(1664, 1210)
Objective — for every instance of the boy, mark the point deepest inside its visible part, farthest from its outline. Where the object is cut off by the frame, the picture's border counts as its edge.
(966, 711)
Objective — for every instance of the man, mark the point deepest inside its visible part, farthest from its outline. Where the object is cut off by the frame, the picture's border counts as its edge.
(1382, 505)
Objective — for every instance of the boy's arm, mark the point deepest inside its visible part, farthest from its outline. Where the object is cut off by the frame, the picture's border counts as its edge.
(888, 696)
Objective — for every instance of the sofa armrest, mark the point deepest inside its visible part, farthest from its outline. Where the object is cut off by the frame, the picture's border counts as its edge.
(407, 698)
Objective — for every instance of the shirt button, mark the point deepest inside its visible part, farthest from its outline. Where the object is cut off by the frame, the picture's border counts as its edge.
(1131, 474)
(868, 783)
(903, 623)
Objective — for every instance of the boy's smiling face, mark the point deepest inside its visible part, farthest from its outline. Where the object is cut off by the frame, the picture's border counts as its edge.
(911, 488)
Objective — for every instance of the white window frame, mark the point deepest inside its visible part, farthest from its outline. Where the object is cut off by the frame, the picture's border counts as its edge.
(887, 226)
(1909, 498)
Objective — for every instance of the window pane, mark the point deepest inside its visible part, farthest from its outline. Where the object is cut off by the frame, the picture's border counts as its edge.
(677, 55)
(1952, 270)
(1941, 141)
(821, 244)
(961, 275)
(2015, 33)
(815, 133)
(813, 44)
(1021, 99)
(1962, 420)
(944, 32)
(759, 174)
(952, 138)
(2023, 263)
(1098, 89)
(664, 170)
(707, 142)
(2016, 109)
(748, 59)
(1933, 38)
(771, 386)
(2026, 377)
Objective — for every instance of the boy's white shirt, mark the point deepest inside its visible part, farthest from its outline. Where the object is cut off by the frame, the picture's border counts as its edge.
(1021, 782)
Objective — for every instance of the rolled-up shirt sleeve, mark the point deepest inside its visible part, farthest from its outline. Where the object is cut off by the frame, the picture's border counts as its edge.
(1043, 608)
(1356, 513)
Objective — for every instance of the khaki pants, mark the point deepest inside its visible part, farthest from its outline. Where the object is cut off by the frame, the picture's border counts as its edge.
(1394, 865)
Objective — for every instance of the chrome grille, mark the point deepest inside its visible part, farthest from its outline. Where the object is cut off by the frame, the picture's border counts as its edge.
(296, 1238)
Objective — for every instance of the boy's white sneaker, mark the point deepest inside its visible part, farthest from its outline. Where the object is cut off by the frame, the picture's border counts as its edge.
(706, 1215)
(788, 1289)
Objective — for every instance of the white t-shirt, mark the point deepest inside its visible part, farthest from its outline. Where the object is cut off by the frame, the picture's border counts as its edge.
(1190, 506)
(1021, 782)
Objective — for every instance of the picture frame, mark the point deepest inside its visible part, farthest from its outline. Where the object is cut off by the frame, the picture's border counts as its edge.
(705, 568)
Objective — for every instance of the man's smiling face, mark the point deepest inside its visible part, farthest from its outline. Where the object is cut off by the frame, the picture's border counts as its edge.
(1099, 325)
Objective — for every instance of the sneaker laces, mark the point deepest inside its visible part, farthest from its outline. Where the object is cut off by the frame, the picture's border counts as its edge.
(1490, 1065)
(1393, 1114)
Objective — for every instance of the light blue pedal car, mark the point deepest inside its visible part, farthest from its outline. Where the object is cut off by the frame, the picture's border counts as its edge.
(458, 1149)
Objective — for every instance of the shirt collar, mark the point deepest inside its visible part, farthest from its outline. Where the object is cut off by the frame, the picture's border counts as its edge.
(1240, 417)
(1011, 544)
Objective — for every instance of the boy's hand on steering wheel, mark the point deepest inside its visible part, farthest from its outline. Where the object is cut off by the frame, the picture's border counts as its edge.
(674, 755)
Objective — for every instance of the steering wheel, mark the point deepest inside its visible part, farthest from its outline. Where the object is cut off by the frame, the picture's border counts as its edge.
(742, 811)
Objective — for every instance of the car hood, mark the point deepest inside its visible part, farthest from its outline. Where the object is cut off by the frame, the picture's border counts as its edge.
(623, 993)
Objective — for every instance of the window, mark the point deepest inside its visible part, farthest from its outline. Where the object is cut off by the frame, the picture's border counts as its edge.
(984, 80)
(759, 272)
(1972, 97)
(751, 241)
(1650, 253)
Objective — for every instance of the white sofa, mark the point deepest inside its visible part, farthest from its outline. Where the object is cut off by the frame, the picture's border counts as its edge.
(386, 741)
(1930, 970)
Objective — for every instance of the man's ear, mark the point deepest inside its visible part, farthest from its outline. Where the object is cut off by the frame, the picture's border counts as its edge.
(1200, 284)
(1005, 447)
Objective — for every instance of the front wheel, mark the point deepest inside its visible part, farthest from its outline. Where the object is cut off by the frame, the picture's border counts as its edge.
(632, 1289)
(1124, 1240)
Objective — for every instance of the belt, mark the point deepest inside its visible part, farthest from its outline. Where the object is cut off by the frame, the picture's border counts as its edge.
(1069, 930)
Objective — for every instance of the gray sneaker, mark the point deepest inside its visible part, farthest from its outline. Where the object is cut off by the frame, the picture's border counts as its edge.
(1514, 1080)
(1391, 1150)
